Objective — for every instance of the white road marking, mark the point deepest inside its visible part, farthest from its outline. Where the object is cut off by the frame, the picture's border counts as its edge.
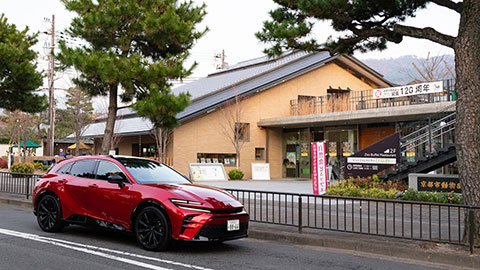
(96, 251)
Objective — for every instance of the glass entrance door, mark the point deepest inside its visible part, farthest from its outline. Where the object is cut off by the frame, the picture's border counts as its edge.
(341, 143)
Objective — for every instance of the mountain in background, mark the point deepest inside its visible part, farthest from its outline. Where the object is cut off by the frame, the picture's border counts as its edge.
(402, 71)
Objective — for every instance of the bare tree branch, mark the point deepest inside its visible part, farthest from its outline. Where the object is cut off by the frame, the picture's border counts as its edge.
(426, 33)
(458, 7)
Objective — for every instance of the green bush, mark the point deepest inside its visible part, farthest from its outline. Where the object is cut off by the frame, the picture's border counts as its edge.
(435, 197)
(40, 166)
(354, 191)
(22, 168)
(235, 174)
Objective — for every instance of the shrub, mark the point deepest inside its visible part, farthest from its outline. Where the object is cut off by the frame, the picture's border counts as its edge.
(3, 164)
(40, 166)
(350, 190)
(436, 197)
(22, 168)
(235, 174)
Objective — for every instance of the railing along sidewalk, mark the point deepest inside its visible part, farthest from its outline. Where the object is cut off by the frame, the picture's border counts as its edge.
(434, 222)
(18, 183)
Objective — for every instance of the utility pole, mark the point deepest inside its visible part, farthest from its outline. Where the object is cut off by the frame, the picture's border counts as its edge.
(51, 94)
(220, 56)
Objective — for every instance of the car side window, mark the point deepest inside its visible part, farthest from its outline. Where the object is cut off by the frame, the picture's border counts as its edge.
(107, 168)
(84, 168)
(65, 169)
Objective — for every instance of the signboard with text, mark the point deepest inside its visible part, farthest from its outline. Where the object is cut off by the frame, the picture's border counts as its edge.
(439, 184)
(319, 168)
(207, 172)
(408, 90)
(260, 171)
(373, 159)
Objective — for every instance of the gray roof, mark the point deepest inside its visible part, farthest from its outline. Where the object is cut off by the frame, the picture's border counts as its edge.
(214, 90)
(128, 126)
(245, 78)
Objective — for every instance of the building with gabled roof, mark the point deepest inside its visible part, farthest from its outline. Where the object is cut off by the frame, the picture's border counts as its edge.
(287, 102)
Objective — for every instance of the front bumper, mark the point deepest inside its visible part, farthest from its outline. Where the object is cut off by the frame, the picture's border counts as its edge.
(213, 227)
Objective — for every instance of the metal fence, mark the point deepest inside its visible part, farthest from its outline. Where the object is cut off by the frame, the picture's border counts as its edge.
(392, 218)
(18, 183)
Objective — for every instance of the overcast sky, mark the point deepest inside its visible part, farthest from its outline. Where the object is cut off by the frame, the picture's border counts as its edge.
(232, 25)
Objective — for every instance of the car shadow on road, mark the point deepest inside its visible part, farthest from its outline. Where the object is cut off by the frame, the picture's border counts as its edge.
(96, 235)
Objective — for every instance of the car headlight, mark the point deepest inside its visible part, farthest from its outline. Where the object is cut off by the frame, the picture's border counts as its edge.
(189, 205)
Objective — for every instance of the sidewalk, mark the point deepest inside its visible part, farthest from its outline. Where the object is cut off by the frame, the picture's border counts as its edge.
(456, 256)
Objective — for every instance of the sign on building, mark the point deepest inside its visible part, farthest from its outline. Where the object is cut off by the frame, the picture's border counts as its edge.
(373, 159)
(434, 182)
(319, 168)
(409, 90)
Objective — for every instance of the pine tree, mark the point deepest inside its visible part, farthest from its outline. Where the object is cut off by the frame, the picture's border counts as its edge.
(368, 25)
(79, 108)
(132, 46)
(18, 75)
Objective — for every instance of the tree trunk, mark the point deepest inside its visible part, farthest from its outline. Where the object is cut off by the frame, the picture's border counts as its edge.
(112, 115)
(77, 143)
(467, 63)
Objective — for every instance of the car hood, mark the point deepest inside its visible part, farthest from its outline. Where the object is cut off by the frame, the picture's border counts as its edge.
(211, 197)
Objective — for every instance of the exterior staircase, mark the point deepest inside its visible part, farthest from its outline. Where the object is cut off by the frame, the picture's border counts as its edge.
(427, 148)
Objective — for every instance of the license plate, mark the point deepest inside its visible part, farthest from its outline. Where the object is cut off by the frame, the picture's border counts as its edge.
(233, 225)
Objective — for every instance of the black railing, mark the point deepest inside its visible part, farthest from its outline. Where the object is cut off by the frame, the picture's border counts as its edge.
(362, 100)
(392, 218)
(18, 183)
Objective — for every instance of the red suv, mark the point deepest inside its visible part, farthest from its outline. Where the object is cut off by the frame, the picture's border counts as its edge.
(143, 196)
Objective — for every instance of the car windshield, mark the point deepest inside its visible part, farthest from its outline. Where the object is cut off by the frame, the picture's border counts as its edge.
(151, 172)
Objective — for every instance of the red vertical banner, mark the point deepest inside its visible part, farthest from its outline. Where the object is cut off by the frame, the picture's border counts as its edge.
(314, 168)
(319, 168)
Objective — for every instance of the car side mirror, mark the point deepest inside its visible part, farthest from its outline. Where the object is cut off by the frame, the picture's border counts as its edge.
(116, 179)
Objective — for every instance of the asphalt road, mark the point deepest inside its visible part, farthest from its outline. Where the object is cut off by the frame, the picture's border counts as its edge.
(24, 246)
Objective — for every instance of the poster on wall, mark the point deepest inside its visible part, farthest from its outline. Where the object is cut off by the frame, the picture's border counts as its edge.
(332, 149)
(373, 159)
(260, 171)
(346, 149)
(304, 150)
(319, 168)
(291, 160)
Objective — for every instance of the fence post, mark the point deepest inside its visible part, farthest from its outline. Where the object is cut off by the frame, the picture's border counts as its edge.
(471, 238)
(430, 136)
(299, 213)
(27, 186)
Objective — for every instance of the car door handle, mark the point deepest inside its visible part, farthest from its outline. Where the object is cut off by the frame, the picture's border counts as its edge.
(62, 181)
(93, 186)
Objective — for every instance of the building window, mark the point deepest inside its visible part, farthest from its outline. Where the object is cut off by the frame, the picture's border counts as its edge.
(225, 159)
(259, 153)
(242, 132)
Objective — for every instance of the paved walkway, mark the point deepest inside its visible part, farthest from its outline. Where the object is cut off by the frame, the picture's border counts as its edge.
(278, 185)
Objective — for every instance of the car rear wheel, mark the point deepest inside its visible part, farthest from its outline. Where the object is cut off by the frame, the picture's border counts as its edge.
(152, 229)
(49, 214)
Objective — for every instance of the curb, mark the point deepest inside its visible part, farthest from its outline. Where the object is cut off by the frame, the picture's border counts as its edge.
(16, 202)
(390, 247)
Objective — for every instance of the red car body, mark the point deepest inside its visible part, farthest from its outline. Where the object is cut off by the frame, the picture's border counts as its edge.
(193, 211)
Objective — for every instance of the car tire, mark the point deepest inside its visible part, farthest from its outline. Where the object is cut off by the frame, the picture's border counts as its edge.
(152, 229)
(49, 214)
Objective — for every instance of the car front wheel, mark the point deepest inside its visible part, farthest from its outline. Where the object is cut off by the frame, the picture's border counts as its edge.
(152, 229)
(49, 214)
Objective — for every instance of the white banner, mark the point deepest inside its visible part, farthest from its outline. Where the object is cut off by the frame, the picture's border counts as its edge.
(409, 90)
(368, 160)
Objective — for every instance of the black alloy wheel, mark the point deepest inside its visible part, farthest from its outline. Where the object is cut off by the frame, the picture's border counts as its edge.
(152, 229)
(49, 214)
